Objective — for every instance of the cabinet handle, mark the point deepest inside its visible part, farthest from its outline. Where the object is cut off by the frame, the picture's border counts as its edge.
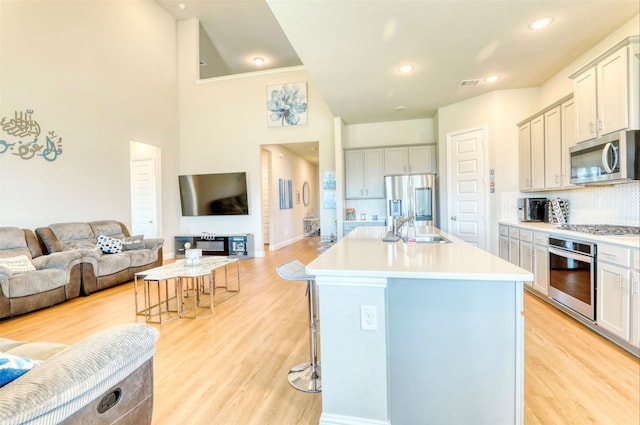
(599, 125)
(623, 283)
(592, 127)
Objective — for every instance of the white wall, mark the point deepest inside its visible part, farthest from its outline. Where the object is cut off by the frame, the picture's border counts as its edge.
(223, 123)
(499, 111)
(287, 224)
(407, 132)
(99, 74)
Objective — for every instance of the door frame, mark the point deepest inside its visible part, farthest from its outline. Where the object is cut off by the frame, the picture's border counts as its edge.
(485, 177)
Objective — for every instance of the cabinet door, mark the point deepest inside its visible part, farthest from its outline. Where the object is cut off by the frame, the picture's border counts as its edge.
(354, 174)
(613, 299)
(526, 258)
(514, 251)
(373, 173)
(503, 248)
(568, 139)
(395, 161)
(524, 155)
(537, 153)
(612, 93)
(584, 95)
(422, 159)
(553, 148)
(541, 269)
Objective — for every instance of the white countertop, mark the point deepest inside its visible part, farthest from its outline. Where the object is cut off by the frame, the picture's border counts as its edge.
(628, 241)
(362, 253)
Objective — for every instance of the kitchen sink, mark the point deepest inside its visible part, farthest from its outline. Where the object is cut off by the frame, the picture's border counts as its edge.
(432, 238)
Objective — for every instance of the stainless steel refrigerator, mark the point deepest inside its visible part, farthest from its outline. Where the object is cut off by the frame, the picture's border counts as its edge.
(411, 195)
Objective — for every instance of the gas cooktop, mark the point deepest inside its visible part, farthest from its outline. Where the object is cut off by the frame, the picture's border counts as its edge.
(602, 229)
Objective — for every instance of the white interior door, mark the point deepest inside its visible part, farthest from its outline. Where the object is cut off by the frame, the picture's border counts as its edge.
(143, 198)
(466, 186)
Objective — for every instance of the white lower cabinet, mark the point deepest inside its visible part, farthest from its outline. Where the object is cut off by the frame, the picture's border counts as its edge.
(526, 252)
(613, 299)
(503, 249)
(635, 308)
(541, 263)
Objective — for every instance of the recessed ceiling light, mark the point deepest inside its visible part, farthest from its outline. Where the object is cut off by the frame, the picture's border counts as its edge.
(258, 61)
(492, 78)
(182, 6)
(400, 108)
(405, 68)
(540, 23)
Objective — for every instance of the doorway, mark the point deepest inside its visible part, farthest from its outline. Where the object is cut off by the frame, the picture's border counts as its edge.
(466, 189)
(145, 189)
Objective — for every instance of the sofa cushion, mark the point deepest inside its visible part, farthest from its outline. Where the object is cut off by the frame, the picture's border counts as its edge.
(108, 228)
(30, 283)
(133, 242)
(12, 367)
(12, 238)
(18, 264)
(73, 236)
(142, 257)
(109, 245)
(113, 263)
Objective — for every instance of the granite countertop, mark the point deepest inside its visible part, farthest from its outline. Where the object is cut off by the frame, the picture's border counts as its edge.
(362, 253)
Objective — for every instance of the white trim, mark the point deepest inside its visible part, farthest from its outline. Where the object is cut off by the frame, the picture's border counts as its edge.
(250, 74)
(334, 419)
(363, 282)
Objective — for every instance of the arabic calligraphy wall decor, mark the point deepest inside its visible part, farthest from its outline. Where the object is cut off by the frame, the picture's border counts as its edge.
(287, 104)
(24, 132)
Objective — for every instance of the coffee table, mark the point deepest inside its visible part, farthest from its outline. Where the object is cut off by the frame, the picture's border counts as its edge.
(164, 287)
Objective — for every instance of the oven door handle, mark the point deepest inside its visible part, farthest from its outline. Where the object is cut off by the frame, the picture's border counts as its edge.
(572, 255)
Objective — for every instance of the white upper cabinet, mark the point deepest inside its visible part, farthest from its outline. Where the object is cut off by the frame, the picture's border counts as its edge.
(553, 148)
(524, 156)
(410, 159)
(537, 153)
(606, 92)
(364, 177)
(568, 139)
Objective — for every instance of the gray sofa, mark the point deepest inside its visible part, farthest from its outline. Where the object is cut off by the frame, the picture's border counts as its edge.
(54, 278)
(101, 270)
(106, 378)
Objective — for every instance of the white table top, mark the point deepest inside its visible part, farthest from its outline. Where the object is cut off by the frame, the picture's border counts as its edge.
(179, 268)
(362, 253)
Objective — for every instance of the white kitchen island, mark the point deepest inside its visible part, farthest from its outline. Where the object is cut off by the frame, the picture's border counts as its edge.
(448, 348)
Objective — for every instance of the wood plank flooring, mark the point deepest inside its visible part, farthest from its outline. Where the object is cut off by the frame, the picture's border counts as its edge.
(231, 368)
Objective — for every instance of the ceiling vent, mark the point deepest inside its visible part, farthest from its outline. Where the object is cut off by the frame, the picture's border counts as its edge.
(469, 83)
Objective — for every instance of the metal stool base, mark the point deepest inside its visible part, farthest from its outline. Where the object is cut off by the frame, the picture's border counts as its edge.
(304, 378)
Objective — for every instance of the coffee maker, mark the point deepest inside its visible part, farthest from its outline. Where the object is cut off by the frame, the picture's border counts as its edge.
(531, 209)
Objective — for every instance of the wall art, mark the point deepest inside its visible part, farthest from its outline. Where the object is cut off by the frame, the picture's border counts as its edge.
(20, 138)
(287, 104)
(285, 193)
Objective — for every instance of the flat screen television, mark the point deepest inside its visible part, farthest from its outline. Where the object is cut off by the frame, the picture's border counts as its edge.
(214, 194)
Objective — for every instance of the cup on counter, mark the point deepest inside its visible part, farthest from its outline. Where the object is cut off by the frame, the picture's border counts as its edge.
(363, 216)
(374, 217)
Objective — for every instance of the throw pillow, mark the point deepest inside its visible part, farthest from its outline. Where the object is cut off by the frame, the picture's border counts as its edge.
(133, 242)
(19, 264)
(109, 245)
(12, 367)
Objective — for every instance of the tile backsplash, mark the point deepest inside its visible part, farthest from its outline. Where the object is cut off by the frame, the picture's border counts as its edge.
(619, 204)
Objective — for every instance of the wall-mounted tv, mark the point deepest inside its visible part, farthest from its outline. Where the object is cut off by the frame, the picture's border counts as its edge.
(214, 194)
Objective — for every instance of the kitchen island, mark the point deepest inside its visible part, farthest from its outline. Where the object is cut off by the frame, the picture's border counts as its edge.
(419, 334)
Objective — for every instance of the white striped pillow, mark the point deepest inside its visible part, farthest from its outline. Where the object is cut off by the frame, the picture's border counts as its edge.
(19, 264)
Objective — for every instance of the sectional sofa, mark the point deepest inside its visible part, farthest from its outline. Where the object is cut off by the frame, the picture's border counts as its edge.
(64, 260)
(106, 266)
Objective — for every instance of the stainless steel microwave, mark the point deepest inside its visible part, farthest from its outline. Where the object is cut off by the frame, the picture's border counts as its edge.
(614, 158)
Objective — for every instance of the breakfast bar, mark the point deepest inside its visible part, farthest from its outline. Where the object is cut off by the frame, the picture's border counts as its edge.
(419, 333)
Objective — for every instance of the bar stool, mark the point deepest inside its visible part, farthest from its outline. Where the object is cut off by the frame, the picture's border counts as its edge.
(305, 376)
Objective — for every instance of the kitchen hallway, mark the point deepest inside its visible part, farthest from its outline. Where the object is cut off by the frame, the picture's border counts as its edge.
(230, 368)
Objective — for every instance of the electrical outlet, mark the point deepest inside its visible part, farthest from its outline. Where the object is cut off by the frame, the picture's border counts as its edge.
(368, 318)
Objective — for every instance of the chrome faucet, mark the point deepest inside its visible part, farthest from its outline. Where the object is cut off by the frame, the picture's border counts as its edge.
(399, 222)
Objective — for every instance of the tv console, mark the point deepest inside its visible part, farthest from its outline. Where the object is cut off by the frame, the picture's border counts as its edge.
(239, 245)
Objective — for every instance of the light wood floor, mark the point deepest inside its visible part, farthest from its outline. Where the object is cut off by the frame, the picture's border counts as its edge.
(231, 368)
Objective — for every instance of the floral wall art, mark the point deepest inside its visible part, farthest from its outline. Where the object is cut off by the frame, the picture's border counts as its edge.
(287, 104)
(19, 137)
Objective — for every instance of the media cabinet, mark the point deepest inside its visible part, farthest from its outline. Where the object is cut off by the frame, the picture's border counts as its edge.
(237, 245)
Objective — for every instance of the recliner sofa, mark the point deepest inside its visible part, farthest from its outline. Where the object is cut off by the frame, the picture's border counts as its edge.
(102, 270)
(42, 280)
(107, 378)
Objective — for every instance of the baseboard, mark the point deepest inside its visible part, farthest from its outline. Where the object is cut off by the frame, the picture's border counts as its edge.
(333, 419)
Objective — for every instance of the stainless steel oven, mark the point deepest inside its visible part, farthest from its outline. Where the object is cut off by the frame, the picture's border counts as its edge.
(572, 275)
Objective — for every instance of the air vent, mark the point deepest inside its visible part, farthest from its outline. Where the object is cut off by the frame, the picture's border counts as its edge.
(202, 63)
(469, 83)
